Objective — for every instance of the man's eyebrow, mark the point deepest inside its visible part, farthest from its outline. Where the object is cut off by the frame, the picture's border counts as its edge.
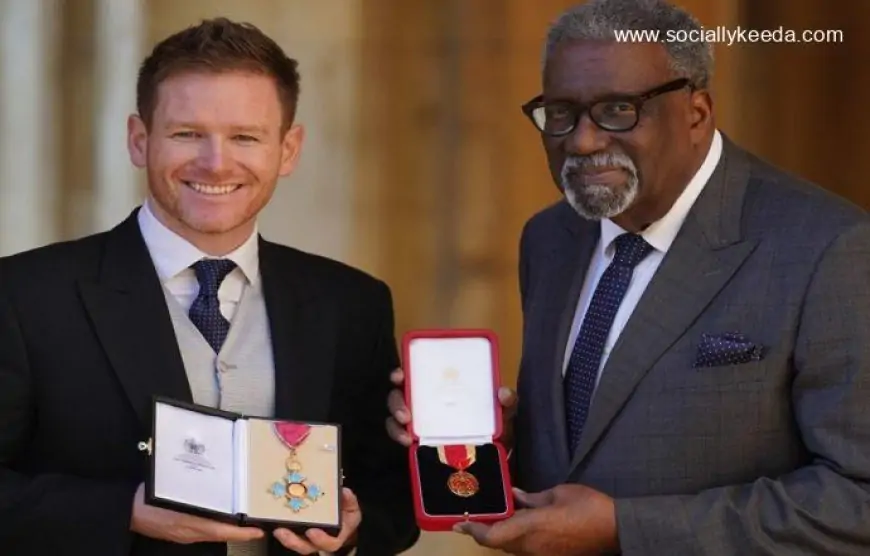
(253, 129)
(602, 97)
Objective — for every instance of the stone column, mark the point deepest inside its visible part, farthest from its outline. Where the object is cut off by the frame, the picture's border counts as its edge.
(118, 36)
(27, 161)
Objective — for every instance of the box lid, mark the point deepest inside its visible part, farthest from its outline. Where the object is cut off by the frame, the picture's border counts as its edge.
(451, 386)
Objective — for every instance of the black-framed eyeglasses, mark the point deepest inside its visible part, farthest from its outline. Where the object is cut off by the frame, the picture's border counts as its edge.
(618, 113)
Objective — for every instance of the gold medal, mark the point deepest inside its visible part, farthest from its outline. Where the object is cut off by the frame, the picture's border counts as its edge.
(462, 483)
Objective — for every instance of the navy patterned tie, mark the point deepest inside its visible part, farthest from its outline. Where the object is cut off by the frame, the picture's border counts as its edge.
(589, 347)
(205, 312)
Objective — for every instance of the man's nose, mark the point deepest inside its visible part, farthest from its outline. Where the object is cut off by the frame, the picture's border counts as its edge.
(213, 155)
(587, 138)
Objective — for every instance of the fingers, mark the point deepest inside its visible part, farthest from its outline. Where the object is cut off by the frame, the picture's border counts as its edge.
(478, 531)
(508, 399)
(350, 520)
(400, 416)
(398, 409)
(212, 530)
(397, 377)
(398, 432)
(321, 540)
(534, 500)
(503, 535)
(184, 528)
(292, 541)
(238, 534)
(497, 536)
(349, 503)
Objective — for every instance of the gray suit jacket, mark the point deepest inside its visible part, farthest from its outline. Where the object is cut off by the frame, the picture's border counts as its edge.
(768, 456)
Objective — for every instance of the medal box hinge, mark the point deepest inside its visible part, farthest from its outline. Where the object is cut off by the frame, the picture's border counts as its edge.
(146, 446)
(455, 440)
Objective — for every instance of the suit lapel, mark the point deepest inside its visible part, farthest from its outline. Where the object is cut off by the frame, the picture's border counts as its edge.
(703, 258)
(571, 257)
(303, 325)
(128, 311)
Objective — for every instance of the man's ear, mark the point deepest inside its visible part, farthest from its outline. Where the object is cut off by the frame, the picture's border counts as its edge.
(701, 113)
(137, 141)
(291, 147)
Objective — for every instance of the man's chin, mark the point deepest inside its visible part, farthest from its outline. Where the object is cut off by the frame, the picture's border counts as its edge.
(596, 208)
(213, 226)
(591, 214)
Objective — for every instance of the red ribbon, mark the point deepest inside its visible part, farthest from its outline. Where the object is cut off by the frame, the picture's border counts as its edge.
(292, 434)
(458, 457)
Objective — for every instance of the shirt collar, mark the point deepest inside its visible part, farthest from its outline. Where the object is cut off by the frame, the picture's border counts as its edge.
(172, 254)
(661, 233)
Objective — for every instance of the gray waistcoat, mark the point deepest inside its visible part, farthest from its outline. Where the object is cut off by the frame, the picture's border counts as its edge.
(241, 378)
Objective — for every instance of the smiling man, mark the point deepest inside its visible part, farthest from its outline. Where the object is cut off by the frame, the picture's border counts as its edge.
(185, 299)
(695, 370)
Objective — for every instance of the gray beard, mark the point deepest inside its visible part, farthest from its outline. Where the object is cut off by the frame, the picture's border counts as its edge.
(593, 201)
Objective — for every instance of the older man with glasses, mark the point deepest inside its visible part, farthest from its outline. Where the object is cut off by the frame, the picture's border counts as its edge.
(696, 360)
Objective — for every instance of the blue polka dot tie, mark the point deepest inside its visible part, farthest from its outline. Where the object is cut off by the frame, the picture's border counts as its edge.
(205, 311)
(589, 347)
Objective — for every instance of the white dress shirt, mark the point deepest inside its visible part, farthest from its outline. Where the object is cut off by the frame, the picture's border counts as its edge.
(660, 235)
(173, 256)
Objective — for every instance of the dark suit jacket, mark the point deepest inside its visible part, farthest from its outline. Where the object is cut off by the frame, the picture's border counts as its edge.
(766, 451)
(86, 341)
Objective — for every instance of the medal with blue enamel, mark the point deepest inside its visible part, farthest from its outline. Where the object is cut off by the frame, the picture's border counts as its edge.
(294, 486)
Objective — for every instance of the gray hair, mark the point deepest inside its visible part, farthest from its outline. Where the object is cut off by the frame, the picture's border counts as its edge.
(690, 56)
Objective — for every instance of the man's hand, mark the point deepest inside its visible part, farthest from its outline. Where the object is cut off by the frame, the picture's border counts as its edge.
(181, 528)
(316, 540)
(568, 520)
(401, 415)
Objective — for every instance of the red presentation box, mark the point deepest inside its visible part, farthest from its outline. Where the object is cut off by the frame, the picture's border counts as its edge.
(459, 468)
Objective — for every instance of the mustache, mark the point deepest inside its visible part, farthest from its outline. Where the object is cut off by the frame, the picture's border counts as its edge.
(599, 160)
